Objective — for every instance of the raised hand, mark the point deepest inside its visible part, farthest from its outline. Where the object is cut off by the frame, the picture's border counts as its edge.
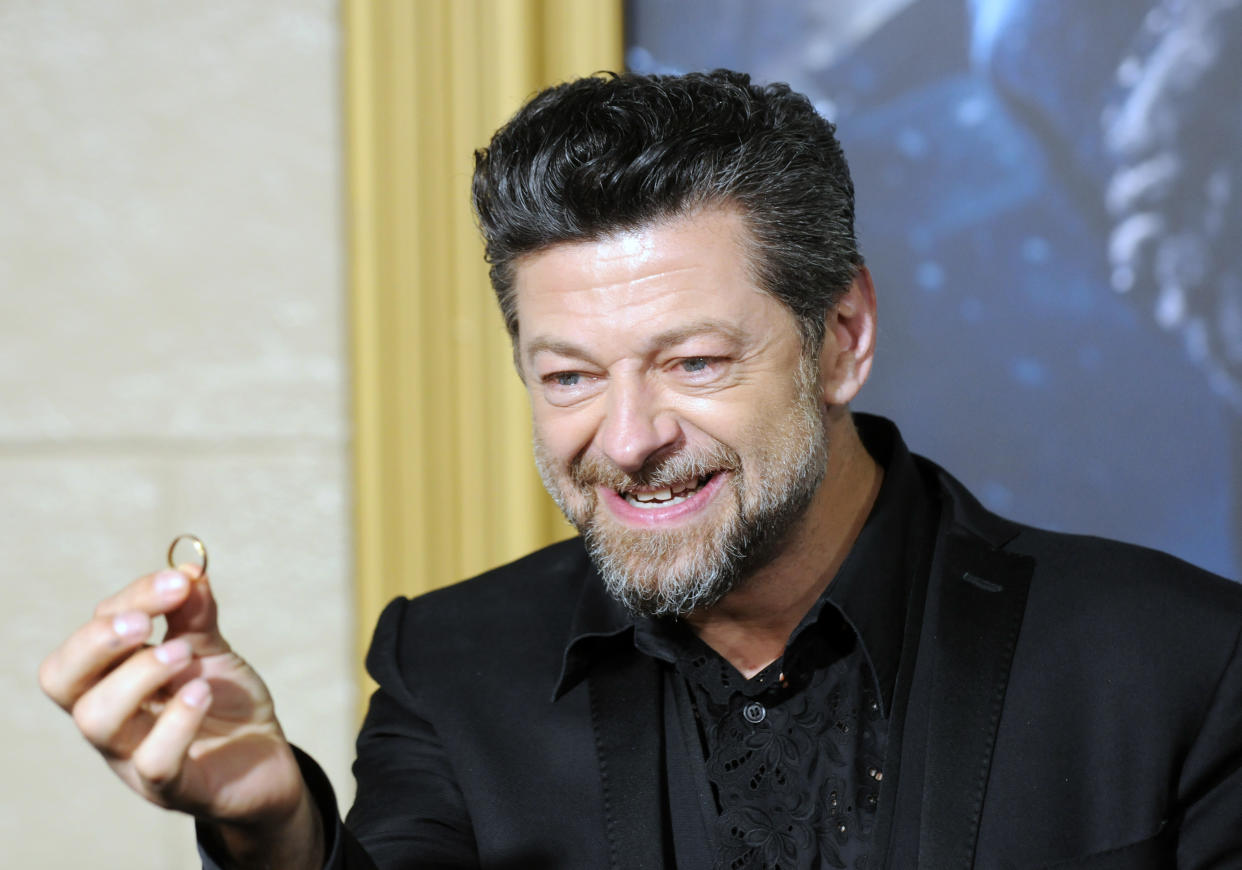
(187, 723)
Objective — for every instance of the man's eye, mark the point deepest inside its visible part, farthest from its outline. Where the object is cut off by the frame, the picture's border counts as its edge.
(695, 364)
(566, 379)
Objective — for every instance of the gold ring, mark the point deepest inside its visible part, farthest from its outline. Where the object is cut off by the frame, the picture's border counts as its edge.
(197, 544)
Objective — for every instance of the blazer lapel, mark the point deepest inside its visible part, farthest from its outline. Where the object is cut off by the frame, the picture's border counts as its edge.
(626, 703)
(982, 598)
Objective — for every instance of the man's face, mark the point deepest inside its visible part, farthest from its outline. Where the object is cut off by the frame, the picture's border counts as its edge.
(677, 421)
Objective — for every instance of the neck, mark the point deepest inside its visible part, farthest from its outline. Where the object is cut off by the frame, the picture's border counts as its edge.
(751, 625)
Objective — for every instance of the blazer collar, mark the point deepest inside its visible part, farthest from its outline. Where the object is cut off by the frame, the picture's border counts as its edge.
(979, 591)
(966, 515)
(872, 586)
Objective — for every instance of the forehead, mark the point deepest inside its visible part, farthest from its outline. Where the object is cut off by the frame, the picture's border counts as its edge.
(657, 278)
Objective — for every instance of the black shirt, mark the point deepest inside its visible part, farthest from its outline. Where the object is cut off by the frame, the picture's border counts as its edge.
(786, 768)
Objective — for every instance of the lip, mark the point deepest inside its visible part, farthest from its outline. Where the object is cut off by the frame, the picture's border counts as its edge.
(649, 518)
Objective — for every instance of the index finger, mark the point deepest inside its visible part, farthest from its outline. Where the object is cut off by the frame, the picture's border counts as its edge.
(152, 593)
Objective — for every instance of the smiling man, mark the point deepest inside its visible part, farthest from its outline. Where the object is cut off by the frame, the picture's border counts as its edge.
(782, 640)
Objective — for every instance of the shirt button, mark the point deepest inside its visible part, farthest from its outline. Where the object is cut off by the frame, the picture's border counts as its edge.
(754, 712)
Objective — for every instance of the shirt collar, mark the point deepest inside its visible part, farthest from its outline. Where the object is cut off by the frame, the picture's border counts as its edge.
(601, 625)
(872, 586)
(869, 591)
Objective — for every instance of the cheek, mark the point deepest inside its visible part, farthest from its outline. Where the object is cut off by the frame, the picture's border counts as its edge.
(560, 436)
(734, 422)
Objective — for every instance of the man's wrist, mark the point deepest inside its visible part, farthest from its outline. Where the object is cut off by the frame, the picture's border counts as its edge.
(296, 843)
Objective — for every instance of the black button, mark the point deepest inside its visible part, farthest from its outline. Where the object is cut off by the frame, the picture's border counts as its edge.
(754, 712)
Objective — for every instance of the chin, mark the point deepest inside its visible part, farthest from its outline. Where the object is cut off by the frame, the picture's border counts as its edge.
(664, 599)
(670, 573)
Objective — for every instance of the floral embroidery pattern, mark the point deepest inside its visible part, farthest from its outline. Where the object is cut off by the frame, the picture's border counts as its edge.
(794, 754)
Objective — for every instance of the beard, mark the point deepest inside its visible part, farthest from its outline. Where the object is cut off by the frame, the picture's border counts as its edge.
(677, 571)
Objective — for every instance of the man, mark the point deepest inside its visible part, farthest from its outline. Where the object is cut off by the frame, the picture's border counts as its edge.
(782, 640)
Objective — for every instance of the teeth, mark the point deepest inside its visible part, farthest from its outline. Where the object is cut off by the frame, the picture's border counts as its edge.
(666, 497)
(648, 505)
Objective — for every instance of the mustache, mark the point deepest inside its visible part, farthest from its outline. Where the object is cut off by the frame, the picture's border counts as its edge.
(591, 470)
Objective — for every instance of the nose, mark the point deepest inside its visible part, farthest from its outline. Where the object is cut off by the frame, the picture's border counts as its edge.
(635, 427)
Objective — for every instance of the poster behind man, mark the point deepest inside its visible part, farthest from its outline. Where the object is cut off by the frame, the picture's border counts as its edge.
(1049, 199)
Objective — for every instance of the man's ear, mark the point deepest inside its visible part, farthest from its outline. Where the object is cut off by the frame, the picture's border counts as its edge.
(849, 342)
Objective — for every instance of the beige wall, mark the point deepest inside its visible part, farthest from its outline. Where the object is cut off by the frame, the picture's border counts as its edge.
(171, 359)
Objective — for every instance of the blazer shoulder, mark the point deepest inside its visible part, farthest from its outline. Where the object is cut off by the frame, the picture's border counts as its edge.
(1085, 564)
(1130, 613)
(1101, 583)
(545, 578)
(520, 611)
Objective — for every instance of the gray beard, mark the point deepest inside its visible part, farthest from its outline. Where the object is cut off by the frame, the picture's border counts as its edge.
(705, 574)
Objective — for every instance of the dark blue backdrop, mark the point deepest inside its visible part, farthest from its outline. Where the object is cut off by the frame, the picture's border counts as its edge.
(1048, 198)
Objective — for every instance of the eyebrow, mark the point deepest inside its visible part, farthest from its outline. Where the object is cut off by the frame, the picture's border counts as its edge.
(668, 338)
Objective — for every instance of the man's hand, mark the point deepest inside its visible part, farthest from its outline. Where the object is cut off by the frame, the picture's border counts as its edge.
(187, 724)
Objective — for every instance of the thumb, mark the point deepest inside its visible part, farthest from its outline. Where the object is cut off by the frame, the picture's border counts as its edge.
(196, 618)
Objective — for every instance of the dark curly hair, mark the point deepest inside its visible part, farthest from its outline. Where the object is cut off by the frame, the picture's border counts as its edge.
(612, 152)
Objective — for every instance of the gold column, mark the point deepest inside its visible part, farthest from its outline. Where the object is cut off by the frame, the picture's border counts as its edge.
(444, 483)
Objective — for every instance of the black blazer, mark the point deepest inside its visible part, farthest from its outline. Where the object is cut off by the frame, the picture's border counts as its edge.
(1074, 702)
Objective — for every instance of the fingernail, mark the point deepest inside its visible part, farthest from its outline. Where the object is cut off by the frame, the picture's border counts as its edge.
(129, 624)
(173, 652)
(170, 582)
(196, 693)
